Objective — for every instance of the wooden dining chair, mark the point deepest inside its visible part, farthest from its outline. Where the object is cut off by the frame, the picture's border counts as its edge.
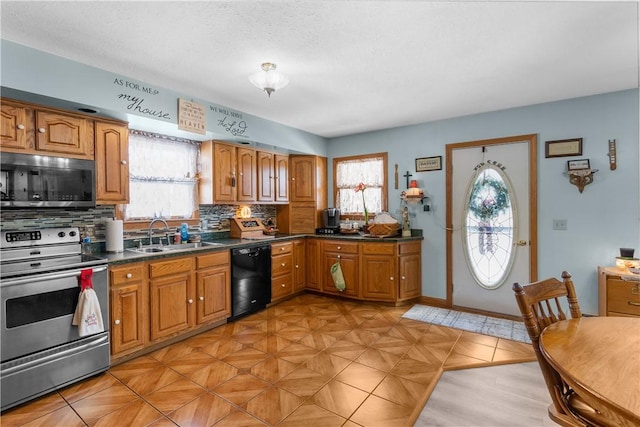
(540, 306)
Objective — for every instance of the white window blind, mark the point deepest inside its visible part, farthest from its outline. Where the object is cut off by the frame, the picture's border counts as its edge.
(349, 173)
(163, 176)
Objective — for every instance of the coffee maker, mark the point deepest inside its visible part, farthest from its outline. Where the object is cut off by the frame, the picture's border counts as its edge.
(332, 218)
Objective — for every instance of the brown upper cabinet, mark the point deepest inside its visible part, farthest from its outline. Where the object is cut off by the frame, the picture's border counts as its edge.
(63, 134)
(307, 195)
(228, 173)
(234, 174)
(112, 162)
(33, 129)
(273, 172)
(17, 121)
(247, 172)
(303, 178)
(281, 163)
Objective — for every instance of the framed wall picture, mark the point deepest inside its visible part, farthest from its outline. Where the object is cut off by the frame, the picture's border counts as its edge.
(563, 148)
(574, 165)
(426, 164)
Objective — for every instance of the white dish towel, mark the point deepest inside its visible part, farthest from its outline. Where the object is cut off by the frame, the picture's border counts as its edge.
(88, 317)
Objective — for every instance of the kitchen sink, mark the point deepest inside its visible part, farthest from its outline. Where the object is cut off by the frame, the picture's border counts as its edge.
(154, 249)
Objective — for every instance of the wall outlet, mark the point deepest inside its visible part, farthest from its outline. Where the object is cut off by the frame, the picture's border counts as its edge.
(559, 224)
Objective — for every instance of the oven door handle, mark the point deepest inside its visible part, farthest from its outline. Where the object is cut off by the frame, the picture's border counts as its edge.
(55, 355)
(53, 276)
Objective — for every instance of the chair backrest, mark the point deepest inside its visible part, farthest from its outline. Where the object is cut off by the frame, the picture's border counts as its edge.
(539, 304)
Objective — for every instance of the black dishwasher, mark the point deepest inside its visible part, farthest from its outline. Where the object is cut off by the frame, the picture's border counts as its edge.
(250, 280)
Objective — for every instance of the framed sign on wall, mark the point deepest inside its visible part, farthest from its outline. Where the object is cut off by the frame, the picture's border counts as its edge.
(563, 148)
(426, 164)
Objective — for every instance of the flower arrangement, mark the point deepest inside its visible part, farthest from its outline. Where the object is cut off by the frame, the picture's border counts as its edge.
(360, 188)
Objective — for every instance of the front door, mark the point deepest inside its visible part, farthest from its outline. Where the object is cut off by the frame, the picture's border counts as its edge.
(491, 232)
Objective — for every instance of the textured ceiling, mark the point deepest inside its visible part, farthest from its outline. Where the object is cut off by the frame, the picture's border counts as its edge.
(354, 66)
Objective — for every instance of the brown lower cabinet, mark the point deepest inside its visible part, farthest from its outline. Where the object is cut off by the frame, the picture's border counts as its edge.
(155, 301)
(346, 254)
(128, 314)
(288, 267)
(373, 271)
(170, 297)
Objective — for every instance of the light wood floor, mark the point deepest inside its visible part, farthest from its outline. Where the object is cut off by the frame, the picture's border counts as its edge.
(311, 361)
(496, 396)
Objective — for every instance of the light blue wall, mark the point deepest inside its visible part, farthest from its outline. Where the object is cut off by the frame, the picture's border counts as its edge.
(605, 217)
(600, 220)
(33, 75)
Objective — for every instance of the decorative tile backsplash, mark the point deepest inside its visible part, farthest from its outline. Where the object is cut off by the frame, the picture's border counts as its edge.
(217, 217)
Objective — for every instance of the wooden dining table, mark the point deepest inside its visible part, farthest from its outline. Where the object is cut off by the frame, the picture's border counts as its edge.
(599, 357)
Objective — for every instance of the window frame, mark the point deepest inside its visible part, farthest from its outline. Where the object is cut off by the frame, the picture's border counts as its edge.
(141, 223)
(385, 187)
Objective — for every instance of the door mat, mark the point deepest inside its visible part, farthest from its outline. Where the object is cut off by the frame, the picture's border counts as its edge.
(492, 326)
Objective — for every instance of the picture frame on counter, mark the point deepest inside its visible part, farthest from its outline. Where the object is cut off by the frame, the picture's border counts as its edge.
(426, 164)
(563, 148)
(582, 164)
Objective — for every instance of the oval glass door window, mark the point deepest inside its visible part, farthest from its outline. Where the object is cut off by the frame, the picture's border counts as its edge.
(489, 226)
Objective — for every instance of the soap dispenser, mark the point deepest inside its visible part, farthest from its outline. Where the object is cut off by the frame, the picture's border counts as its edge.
(184, 233)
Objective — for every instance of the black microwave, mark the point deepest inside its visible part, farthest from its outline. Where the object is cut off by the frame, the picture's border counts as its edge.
(31, 180)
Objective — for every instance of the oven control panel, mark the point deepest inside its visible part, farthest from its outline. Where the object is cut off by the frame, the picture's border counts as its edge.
(22, 236)
(43, 236)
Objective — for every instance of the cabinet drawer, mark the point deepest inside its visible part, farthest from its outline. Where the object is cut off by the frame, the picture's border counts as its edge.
(623, 297)
(410, 248)
(169, 267)
(125, 274)
(210, 260)
(281, 264)
(281, 248)
(379, 248)
(281, 286)
(341, 247)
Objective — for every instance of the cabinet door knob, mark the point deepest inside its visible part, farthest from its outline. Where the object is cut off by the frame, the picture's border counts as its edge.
(20, 127)
(403, 277)
(297, 266)
(201, 298)
(339, 247)
(283, 264)
(339, 256)
(129, 275)
(117, 321)
(293, 179)
(391, 278)
(283, 285)
(190, 301)
(123, 162)
(41, 130)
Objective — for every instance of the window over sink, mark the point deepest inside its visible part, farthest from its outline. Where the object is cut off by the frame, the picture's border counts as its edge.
(163, 177)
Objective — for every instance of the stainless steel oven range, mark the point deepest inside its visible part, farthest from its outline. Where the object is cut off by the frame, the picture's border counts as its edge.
(39, 288)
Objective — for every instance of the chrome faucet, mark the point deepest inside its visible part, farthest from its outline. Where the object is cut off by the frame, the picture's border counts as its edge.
(166, 230)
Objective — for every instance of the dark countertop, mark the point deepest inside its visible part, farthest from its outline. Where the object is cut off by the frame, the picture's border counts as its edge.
(230, 243)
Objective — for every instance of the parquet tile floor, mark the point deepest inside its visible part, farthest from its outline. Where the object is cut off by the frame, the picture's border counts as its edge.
(309, 361)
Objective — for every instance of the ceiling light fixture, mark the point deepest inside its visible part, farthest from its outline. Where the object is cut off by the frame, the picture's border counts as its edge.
(269, 79)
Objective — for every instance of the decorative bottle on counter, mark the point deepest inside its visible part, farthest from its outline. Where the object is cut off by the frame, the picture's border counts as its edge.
(176, 237)
(86, 245)
(184, 233)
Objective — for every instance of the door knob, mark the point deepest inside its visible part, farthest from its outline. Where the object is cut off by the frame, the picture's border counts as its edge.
(521, 243)
(117, 322)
